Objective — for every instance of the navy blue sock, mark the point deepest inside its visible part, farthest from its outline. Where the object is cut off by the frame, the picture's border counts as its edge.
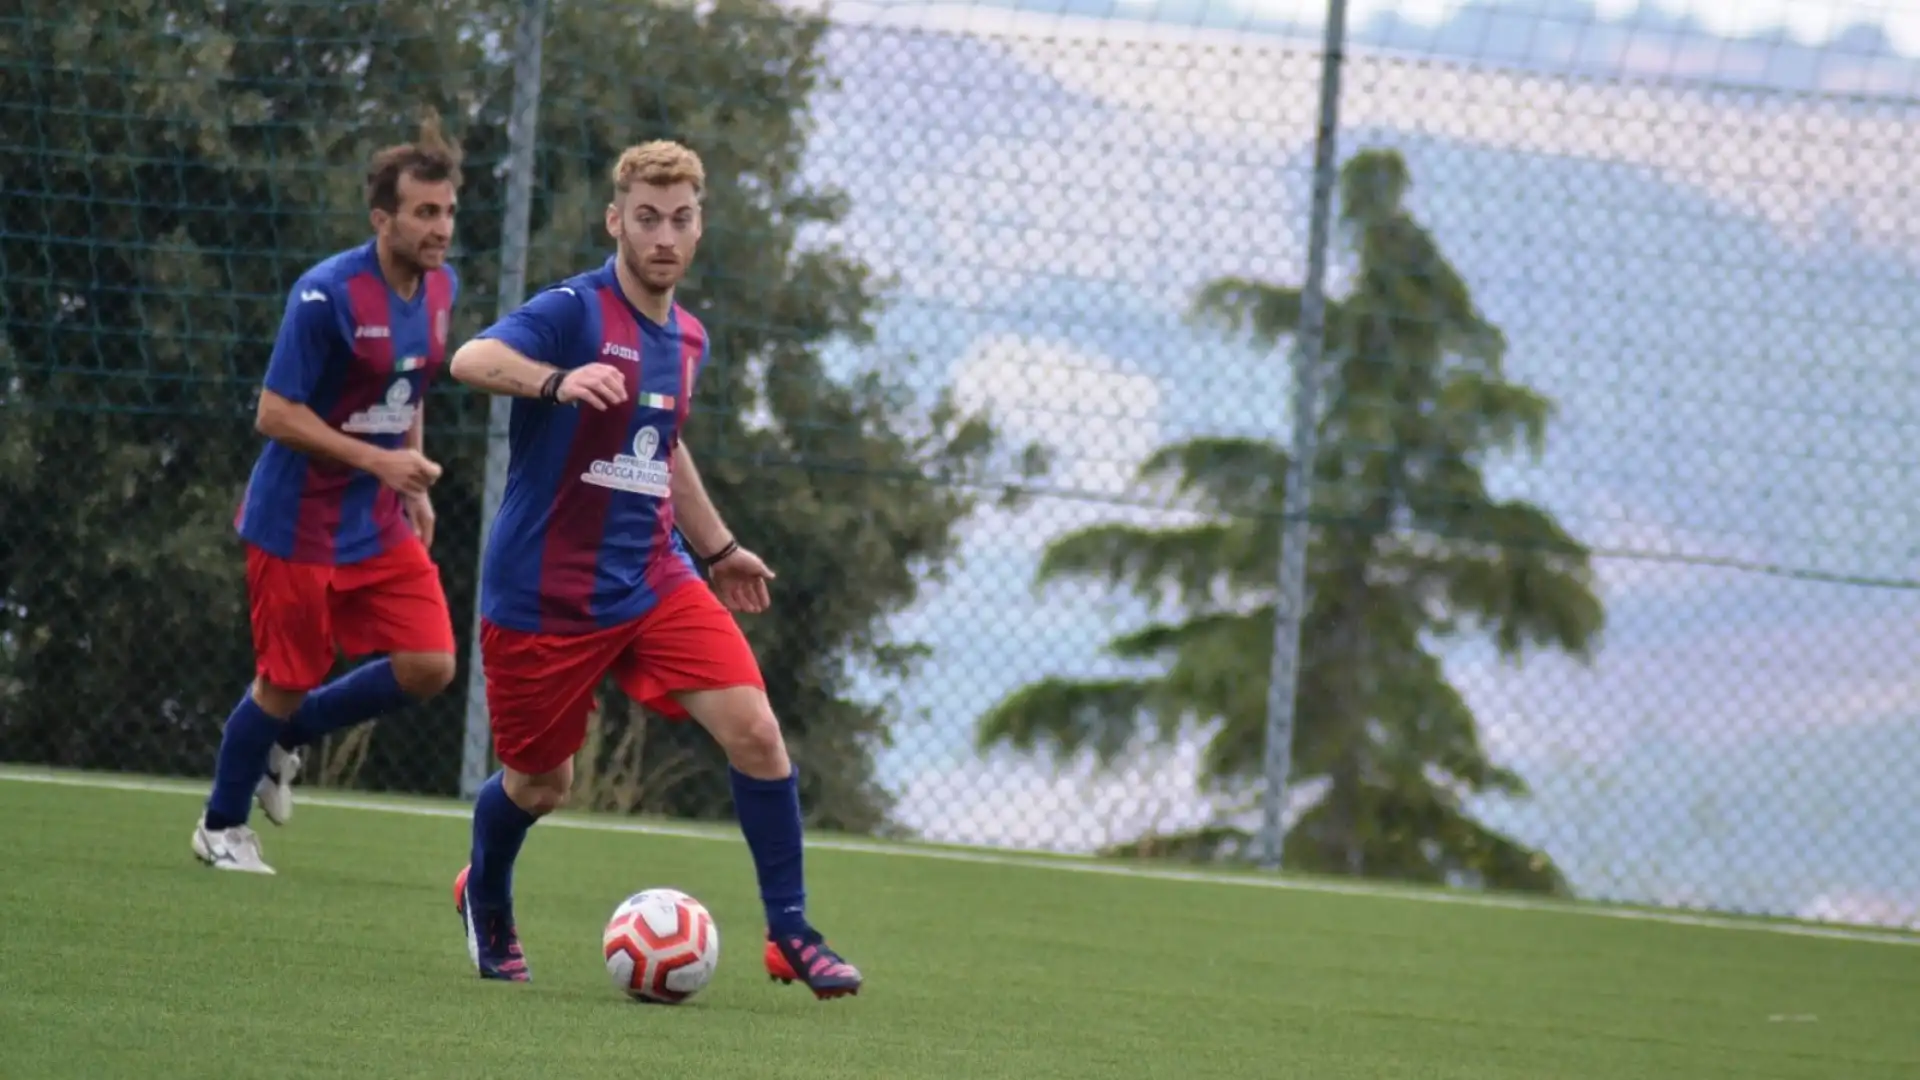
(499, 828)
(769, 813)
(243, 758)
(360, 695)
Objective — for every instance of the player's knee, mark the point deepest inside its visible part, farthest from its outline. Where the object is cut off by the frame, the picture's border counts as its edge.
(755, 746)
(540, 794)
(422, 675)
(276, 701)
(542, 801)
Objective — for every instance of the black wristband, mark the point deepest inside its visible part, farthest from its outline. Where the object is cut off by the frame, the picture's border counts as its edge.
(550, 390)
(732, 546)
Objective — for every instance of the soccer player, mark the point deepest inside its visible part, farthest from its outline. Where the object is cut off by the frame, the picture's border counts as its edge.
(336, 518)
(585, 575)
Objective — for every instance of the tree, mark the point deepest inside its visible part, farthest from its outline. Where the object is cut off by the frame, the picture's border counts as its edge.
(172, 171)
(1409, 549)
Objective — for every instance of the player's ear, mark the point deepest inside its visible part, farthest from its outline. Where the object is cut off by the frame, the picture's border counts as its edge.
(613, 219)
(379, 220)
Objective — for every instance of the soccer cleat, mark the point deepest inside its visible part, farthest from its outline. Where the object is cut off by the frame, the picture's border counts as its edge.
(275, 791)
(493, 943)
(237, 848)
(806, 958)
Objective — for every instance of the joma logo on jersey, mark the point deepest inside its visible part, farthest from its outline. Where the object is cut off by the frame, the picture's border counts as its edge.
(624, 352)
(640, 472)
(371, 331)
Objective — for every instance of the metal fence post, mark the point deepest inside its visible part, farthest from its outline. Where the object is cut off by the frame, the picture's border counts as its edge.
(1290, 604)
(476, 750)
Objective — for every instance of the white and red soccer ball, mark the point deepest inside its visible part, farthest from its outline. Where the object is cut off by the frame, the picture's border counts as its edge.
(661, 946)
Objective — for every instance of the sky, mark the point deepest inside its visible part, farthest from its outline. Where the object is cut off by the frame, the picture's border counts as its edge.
(1704, 258)
(1813, 21)
(1809, 21)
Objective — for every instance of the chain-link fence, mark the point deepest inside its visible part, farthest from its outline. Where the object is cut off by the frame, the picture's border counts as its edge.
(1608, 588)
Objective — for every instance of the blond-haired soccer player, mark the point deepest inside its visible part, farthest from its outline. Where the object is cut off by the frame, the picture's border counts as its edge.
(585, 572)
(336, 517)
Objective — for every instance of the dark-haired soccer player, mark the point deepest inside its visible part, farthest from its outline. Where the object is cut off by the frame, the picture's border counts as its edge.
(336, 518)
(585, 574)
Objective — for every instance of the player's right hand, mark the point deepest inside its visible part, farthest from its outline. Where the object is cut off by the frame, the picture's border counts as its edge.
(407, 471)
(599, 385)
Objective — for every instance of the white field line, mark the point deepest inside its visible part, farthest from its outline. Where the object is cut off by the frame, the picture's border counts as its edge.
(1066, 864)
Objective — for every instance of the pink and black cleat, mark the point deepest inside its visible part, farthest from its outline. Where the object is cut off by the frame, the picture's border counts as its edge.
(492, 942)
(806, 958)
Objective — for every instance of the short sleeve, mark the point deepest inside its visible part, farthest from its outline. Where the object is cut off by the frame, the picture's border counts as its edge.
(309, 331)
(453, 283)
(544, 328)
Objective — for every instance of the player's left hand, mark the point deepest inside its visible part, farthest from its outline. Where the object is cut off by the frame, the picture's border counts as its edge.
(740, 581)
(419, 510)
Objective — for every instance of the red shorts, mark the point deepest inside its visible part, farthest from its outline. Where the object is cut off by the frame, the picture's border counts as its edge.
(390, 603)
(540, 686)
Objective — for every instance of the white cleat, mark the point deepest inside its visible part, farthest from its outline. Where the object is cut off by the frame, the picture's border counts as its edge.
(237, 848)
(275, 791)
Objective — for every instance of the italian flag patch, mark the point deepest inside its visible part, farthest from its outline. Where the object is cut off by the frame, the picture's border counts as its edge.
(656, 401)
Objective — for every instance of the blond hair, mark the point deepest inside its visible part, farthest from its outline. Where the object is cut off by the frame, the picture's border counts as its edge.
(660, 163)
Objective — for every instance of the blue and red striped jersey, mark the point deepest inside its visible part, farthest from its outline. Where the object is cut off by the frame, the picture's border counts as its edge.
(585, 539)
(358, 355)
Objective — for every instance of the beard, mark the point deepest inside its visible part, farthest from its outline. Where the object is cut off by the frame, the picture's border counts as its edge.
(411, 259)
(653, 278)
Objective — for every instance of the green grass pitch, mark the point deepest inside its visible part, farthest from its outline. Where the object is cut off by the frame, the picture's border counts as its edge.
(120, 956)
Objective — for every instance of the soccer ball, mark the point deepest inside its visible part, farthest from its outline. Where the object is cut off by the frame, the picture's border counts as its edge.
(661, 946)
